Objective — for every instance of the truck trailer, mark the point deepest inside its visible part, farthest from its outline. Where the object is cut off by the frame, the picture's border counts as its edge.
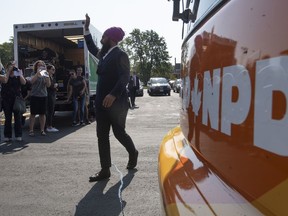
(61, 44)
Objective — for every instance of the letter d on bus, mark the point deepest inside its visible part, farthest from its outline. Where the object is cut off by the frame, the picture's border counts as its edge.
(271, 134)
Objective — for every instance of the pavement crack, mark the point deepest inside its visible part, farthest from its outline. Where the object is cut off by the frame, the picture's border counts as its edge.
(120, 189)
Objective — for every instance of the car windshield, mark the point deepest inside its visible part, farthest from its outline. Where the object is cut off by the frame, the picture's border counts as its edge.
(159, 80)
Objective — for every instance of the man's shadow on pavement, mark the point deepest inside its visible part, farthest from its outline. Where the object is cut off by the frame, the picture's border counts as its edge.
(96, 202)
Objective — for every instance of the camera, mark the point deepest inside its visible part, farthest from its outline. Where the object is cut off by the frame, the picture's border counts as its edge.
(44, 73)
(41, 68)
(16, 71)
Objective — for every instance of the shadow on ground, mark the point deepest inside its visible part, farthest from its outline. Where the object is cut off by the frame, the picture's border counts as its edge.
(62, 120)
(98, 202)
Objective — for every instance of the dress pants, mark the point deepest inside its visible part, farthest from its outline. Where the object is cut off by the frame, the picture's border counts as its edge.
(114, 117)
(133, 95)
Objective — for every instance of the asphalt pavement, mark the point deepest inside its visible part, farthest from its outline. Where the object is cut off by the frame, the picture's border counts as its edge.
(49, 175)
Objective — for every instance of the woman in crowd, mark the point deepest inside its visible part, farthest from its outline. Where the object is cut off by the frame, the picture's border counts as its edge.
(51, 90)
(25, 91)
(38, 97)
(9, 91)
(76, 89)
(3, 79)
(87, 102)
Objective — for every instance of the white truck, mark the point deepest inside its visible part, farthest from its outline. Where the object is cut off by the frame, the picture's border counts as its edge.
(62, 44)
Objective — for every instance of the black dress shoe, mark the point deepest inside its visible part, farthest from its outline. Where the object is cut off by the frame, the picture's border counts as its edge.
(103, 174)
(132, 163)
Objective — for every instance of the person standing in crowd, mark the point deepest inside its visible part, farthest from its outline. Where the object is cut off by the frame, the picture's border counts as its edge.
(87, 102)
(51, 99)
(3, 79)
(25, 91)
(111, 97)
(47, 56)
(133, 86)
(38, 101)
(79, 71)
(10, 90)
(76, 89)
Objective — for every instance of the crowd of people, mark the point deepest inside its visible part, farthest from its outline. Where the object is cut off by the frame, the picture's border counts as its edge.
(39, 91)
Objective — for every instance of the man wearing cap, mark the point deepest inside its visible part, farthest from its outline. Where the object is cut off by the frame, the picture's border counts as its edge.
(111, 97)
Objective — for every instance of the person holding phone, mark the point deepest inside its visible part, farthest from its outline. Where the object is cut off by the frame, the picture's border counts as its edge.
(38, 96)
(51, 99)
(10, 90)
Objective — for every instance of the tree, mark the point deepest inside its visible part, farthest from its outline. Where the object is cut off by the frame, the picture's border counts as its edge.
(6, 51)
(148, 54)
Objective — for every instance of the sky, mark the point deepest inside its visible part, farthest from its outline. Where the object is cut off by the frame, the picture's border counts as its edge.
(145, 15)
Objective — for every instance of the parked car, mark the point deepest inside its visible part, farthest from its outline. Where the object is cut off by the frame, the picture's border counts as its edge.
(158, 86)
(140, 91)
(229, 154)
(177, 85)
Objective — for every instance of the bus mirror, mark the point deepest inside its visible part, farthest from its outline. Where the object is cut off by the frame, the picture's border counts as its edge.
(187, 15)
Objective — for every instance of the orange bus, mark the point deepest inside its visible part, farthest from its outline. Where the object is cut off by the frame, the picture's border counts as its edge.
(229, 155)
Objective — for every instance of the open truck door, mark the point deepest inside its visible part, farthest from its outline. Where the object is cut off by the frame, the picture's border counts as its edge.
(63, 43)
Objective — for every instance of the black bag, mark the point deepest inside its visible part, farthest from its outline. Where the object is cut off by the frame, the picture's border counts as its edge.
(1, 104)
(19, 105)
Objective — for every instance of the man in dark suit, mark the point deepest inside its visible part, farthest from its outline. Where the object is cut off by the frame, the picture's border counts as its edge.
(133, 86)
(111, 97)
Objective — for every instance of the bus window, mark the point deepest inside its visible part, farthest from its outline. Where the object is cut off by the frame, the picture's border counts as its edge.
(203, 8)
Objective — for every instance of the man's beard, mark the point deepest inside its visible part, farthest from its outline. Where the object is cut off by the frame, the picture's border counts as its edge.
(104, 49)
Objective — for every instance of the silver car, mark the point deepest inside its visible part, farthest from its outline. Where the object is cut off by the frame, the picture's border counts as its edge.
(158, 86)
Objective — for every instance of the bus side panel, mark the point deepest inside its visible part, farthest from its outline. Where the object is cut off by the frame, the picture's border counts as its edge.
(234, 100)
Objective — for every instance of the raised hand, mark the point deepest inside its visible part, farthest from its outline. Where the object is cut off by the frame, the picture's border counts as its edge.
(87, 22)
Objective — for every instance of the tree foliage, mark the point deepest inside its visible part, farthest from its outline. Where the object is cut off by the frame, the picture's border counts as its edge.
(148, 54)
(6, 52)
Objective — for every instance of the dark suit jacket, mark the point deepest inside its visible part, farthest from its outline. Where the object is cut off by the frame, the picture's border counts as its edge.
(131, 83)
(113, 74)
